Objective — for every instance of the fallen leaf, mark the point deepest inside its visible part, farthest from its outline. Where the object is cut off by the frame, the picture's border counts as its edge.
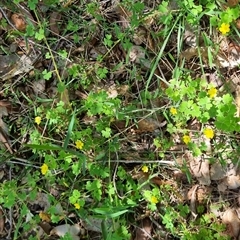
(230, 182)
(46, 227)
(140, 36)
(2, 173)
(55, 18)
(238, 23)
(137, 54)
(18, 22)
(237, 101)
(201, 193)
(144, 232)
(3, 127)
(230, 218)
(44, 216)
(233, 182)
(39, 86)
(192, 196)
(2, 221)
(18, 66)
(62, 230)
(65, 97)
(200, 169)
(232, 3)
(95, 224)
(217, 171)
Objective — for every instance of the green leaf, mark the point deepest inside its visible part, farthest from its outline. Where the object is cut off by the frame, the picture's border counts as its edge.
(46, 75)
(74, 197)
(110, 212)
(107, 132)
(163, 7)
(30, 31)
(32, 4)
(40, 34)
(44, 147)
(69, 133)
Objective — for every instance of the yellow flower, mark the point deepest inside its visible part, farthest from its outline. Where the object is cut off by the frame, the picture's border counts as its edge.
(77, 205)
(186, 139)
(224, 28)
(145, 169)
(154, 199)
(209, 133)
(38, 120)
(212, 92)
(45, 217)
(44, 169)
(79, 144)
(173, 111)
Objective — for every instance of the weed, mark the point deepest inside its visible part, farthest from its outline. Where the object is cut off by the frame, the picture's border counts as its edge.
(76, 135)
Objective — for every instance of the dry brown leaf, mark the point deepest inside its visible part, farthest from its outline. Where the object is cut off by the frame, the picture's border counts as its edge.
(21, 65)
(232, 3)
(193, 201)
(144, 232)
(18, 22)
(55, 18)
(44, 216)
(119, 124)
(237, 101)
(65, 97)
(2, 221)
(230, 218)
(2, 173)
(201, 193)
(41, 199)
(237, 23)
(230, 182)
(217, 171)
(200, 169)
(46, 227)
(94, 224)
(124, 16)
(137, 54)
(4, 140)
(147, 125)
(62, 230)
(140, 36)
(39, 86)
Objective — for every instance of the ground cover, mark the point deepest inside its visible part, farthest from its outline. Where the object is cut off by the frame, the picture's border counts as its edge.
(119, 119)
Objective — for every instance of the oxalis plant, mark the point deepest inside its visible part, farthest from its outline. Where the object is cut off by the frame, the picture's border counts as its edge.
(196, 99)
(76, 157)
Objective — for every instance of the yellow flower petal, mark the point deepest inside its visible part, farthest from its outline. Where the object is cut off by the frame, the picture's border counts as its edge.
(154, 199)
(45, 217)
(209, 133)
(77, 205)
(212, 92)
(173, 111)
(145, 169)
(186, 139)
(38, 120)
(224, 28)
(79, 144)
(44, 169)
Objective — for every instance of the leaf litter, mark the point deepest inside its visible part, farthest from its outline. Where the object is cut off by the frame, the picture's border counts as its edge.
(204, 173)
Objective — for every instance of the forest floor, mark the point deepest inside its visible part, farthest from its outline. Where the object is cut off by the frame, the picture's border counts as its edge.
(119, 119)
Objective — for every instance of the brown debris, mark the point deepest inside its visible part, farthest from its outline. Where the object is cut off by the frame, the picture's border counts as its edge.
(18, 22)
(144, 232)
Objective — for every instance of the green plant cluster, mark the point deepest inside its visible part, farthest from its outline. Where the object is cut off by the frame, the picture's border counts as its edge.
(192, 100)
(80, 158)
